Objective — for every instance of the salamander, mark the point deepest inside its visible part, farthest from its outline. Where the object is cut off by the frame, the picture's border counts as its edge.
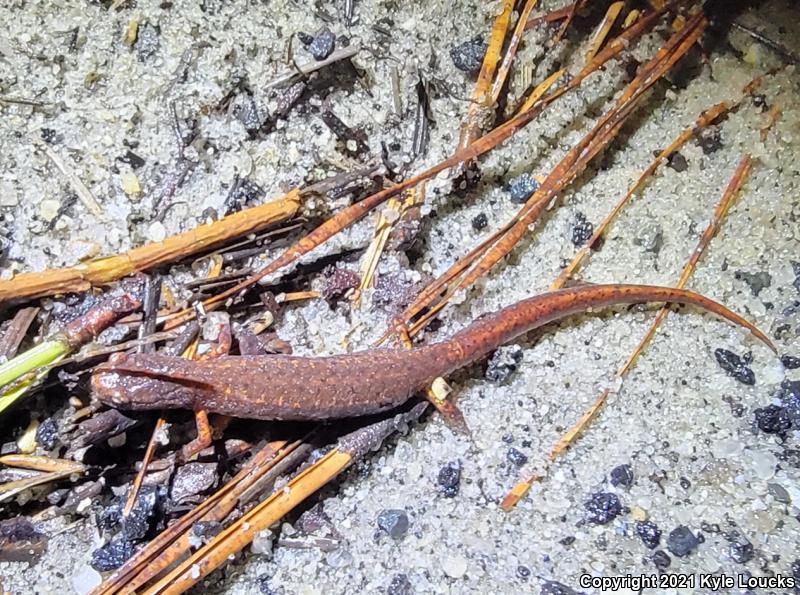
(284, 387)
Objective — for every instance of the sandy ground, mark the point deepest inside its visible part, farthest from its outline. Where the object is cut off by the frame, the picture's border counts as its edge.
(684, 426)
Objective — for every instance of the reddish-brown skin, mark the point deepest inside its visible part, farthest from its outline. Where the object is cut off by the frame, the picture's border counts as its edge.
(301, 388)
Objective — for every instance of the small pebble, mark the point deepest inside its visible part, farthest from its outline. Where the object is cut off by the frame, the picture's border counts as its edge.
(582, 230)
(47, 434)
(480, 221)
(323, 43)
(734, 366)
(48, 209)
(304, 37)
(393, 522)
(156, 232)
(649, 533)
(741, 551)
(796, 569)
(400, 585)
(454, 566)
(772, 419)
(779, 493)
(790, 362)
(677, 162)
(710, 140)
(622, 475)
(523, 572)
(449, 479)
(602, 508)
(263, 542)
(516, 457)
(661, 559)
(147, 41)
(503, 363)
(522, 187)
(468, 56)
(112, 555)
(192, 479)
(789, 396)
(681, 541)
(650, 237)
(130, 184)
(757, 282)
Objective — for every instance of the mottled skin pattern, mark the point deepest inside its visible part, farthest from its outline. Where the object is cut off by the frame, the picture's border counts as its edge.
(303, 388)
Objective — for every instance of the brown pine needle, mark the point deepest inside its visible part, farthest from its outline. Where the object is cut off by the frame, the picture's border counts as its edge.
(540, 90)
(39, 463)
(769, 120)
(737, 181)
(148, 456)
(511, 51)
(105, 270)
(369, 263)
(470, 127)
(603, 29)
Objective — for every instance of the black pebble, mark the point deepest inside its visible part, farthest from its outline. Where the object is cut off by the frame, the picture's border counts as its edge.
(582, 230)
(522, 187)
(468, 56)
(772, 419)
(132, 159)
(677, 162)
(755, 281)
(789, 396)
(710, 141)
(47, 434)
(649, 533)
(450, 478)
(741, 551)
(734, 366)
(603, 507)
(661, 559)
(685, 483)
(400, 585)
(393, 522)
(48, 135)
(516, 457)
(681, 541)
(622, 475)
(523, 571)
(760, 101)
(304, 37)
(503, 363)
(790, 362)
(146, 511)
(112, 555)
(568, 540)
(480, 221)
(796, 569)
(322, 45)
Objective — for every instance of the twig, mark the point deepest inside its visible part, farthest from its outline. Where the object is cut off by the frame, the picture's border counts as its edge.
(105, 270)
(312, 66)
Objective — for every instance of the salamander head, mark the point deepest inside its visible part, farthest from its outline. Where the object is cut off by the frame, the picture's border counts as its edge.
(115, 385)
